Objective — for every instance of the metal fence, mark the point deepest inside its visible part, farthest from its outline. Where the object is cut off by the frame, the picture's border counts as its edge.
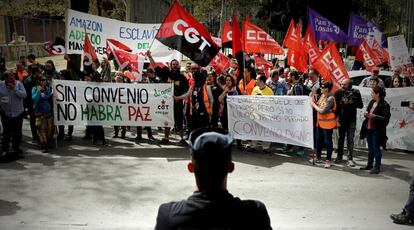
(31, 30)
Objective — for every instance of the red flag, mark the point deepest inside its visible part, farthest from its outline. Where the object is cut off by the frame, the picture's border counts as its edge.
(370, 59)
(380, 52)
(226, 35)
(220, 63)
(236, 36)
(292, 40)
(89, 54)
(257, 40)
(297, 56)
(126, 59)
(329, 64)
(116, 44)
(180, 31)
(266, 65)
(309, 45)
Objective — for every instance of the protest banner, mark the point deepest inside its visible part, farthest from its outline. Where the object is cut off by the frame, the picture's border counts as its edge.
(400, 130)
(282, 119)
(138, 37)
(92, 103)
(398, 51)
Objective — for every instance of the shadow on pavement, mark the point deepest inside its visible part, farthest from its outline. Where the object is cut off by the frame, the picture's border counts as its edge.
(8, 208)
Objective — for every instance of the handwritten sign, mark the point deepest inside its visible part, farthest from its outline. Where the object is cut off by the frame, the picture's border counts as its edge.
(282, 119)
(91, 103)
(400, 130)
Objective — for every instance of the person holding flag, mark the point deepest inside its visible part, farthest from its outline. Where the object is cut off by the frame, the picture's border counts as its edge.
(181, 87)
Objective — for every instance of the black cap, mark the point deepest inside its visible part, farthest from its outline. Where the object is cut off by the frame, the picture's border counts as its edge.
(208, 142)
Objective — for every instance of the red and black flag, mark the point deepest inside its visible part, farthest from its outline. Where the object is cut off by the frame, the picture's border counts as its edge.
(237, 45)
(180, 31)
(56, 47)
(226, 35)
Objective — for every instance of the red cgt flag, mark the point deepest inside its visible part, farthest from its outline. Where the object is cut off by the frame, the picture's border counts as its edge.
(292, 40)
(220, 63)
(309, 45)
(180, 31)
(329, 64)
(226, 34)
(369, 57)
(256, 40)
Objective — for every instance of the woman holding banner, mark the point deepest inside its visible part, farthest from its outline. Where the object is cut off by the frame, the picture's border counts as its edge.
(326, 122)
(374, 127)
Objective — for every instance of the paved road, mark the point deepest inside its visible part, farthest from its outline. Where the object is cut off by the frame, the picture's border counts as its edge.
(82, 186)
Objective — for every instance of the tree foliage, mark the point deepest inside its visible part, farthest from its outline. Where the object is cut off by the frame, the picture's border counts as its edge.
(36, 8)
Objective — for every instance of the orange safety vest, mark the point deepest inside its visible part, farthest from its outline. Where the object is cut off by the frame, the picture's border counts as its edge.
(205, 99)
(327, 120)
(250, 86)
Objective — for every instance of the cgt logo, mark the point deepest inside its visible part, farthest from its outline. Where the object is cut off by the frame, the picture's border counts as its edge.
(163, 106)
(180, 27)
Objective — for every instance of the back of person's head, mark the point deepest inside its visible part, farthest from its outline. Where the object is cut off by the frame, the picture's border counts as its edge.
(294, 75)
(261, 77)
(211, 157)
(327, 85)
(31, 57)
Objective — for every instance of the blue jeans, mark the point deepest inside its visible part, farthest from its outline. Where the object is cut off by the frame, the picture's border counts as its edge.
(409, 206)
(374, 150)
(324, 135)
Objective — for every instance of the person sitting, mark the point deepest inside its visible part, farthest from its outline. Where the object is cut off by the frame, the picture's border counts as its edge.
(211, 206)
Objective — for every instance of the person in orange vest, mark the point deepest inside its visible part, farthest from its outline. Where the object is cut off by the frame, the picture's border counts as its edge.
(249, 73)
(199, 104)
(326, 122)
(21, 72)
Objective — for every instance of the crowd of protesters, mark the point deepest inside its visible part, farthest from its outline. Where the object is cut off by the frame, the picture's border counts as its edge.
(200, 100)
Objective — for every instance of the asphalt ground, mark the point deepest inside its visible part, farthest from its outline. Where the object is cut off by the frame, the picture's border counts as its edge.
(79, 185)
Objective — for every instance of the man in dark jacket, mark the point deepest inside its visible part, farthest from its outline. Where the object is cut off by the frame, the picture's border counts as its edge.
(347, 100)
(212, 206)
(181, 87)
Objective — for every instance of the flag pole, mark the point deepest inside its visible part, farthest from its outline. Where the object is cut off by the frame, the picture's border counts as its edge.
(244, 76)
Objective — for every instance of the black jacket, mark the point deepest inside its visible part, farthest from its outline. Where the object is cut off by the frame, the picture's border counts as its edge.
(221, 211)
(347, 104)
(381, 120)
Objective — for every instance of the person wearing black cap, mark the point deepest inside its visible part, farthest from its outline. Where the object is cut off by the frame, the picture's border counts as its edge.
(211, 206)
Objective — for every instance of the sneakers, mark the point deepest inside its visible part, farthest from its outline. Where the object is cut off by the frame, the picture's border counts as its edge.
(350, 163)
(402, 218)
(328, 164)
(317, 161)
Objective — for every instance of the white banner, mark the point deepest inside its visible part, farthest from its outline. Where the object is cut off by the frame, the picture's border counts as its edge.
(397, 48)
(138, 37)
(282, 119)
(92, 103)
(400, 130)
